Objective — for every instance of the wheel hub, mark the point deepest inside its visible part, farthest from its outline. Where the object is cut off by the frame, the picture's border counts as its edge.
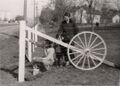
(87, 52)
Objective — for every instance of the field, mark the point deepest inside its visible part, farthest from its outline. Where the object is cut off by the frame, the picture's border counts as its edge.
(103, 75)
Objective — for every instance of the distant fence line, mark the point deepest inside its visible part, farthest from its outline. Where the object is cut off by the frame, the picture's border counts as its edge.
(109, 26)
(8, 24)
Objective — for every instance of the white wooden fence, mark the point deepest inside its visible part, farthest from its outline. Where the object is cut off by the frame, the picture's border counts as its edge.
(25, 47)
(26, 34)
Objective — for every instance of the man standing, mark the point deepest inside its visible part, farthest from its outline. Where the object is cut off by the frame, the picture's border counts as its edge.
(67, 30)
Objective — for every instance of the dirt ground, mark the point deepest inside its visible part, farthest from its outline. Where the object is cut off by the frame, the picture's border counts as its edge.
(103, 75)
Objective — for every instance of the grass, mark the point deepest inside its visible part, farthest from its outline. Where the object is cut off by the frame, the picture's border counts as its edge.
(103, 75)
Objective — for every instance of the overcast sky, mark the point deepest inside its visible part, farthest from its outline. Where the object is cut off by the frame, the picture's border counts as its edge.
(13, 6)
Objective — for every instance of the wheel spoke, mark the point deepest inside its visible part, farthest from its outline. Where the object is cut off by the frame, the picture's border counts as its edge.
(89, 40)
(77, 57)
(81, 42)
(84, 62)
(93, 61)
(93, 41)
(97, 53)
(85, 40)
(77, 44)
(97, 45)
(88, 61)
(98, 49)
(80, 60)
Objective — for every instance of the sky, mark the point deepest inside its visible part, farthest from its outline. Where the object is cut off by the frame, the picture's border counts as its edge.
(40, 4)
(15, 7)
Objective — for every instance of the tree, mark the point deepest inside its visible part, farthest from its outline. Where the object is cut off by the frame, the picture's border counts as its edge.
(46, 16)
(60, 9)
(112, 4)
(62, 6)
(109, 9)
(18, 18)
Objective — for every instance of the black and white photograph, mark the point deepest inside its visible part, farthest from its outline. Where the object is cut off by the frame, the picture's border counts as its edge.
(60, 42)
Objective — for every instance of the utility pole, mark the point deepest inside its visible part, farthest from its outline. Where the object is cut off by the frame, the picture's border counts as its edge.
(34, 8)
(25, 10)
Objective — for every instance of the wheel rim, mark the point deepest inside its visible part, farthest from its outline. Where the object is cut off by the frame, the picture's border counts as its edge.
(93, 51)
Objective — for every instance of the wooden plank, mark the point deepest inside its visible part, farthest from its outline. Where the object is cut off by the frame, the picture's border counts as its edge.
(109, 63)
(36, 37)
(53, 40)
(33, 46)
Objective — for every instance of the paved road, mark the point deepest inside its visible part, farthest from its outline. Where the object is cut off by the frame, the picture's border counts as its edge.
(9, 28)
(8, 51)
(7, 31)
(8, 41)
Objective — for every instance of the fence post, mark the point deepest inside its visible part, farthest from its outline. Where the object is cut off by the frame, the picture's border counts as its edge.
(29, 47)
(33, 45)
(36, 36)
(21, 72)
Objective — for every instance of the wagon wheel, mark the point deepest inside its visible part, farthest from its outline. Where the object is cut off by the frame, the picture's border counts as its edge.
(92, 50)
